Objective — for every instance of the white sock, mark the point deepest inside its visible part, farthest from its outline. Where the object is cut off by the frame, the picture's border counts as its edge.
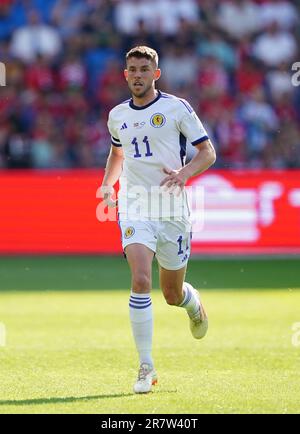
(141, 316)
(190, 301)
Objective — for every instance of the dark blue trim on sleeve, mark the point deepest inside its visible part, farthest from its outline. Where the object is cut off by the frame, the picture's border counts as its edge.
(198, 141)
(116, 142)
(182, 142)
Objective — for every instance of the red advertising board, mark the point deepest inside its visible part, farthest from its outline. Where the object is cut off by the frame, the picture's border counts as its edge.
(53, 212)
(250, 212)
(56, 212)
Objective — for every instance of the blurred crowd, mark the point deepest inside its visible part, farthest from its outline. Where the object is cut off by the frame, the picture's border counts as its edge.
(231, 59)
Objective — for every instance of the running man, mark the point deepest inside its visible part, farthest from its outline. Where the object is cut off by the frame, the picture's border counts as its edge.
(149, 133)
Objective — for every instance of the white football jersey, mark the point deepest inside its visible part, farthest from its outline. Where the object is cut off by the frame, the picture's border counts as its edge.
(153, 137)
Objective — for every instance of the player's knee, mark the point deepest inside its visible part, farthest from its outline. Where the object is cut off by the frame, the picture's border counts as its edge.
(141, 283)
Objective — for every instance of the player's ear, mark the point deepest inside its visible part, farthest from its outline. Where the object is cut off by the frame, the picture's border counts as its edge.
(157, 74)
(126, 74)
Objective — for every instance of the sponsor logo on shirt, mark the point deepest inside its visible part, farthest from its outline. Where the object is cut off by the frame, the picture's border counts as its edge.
(139, 125)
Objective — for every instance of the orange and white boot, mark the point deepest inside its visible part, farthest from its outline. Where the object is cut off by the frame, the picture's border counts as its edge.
(146, 379)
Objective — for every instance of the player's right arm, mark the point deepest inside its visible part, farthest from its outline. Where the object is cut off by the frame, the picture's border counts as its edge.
(113, 170)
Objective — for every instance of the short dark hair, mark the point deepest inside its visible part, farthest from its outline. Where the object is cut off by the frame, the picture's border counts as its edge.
(143, 52)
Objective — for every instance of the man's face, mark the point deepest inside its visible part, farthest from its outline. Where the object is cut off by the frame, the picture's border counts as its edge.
(141, 75)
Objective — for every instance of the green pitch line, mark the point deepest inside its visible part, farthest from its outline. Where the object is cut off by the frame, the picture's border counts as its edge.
(72, 352)
(79, 273)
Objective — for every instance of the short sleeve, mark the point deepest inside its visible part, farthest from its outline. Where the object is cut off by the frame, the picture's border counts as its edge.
(190, 125)
(113, 132)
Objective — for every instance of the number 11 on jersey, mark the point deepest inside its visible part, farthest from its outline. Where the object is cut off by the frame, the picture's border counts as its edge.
(137, 151)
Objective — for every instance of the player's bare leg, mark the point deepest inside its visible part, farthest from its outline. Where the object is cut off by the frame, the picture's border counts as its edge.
(140, 259)
(182, 294)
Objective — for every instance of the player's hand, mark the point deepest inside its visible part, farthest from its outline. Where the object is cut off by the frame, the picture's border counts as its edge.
(107, 192)
(174, 182)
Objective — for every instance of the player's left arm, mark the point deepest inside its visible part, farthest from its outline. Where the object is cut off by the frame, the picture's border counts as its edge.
(202, 160)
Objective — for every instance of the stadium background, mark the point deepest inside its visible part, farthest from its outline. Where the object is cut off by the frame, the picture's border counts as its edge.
(232, 60)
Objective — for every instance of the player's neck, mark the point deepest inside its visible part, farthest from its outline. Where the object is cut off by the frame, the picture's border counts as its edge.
(145, 99)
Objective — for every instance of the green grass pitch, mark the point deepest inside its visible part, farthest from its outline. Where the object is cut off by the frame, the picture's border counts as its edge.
(69, 347)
